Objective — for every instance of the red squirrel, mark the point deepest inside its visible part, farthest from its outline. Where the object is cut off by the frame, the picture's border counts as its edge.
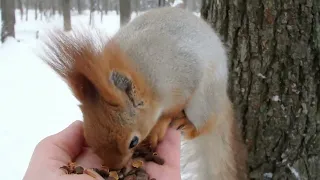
(164, 68)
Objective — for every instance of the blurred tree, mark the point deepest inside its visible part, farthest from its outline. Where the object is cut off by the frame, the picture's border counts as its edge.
(135, 4)
(27, 4)
(274, 50)
(93, 7)
(190, 5)
(53, 8)
(105, 6)
(20, 6)
(161, 3)
(80, 8)
(8, 19)
(66, 15)
(125, 11)
(36, 9)
(40, 7)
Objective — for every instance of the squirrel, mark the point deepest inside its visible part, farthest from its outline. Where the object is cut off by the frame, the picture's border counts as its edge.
(166, 67)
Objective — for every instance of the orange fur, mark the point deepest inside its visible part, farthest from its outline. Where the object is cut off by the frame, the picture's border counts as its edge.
(158, 132)
(109, 124)
(76, 59)
(182, 123)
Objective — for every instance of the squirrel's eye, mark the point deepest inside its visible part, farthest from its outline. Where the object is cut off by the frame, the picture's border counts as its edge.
(134, 142)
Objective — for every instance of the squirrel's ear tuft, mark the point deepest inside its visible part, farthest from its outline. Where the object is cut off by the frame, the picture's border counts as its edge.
(125, 84)
(80, 63)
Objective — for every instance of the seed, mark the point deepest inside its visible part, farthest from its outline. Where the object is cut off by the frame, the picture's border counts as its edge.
(131, 177)
(78, 170)
(114, 174)
(137, 163)
(158, 160)
(65, 169)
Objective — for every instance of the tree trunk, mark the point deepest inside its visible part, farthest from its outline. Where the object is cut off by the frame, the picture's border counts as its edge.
(66, 15)
(274, 81)
(189, 5)
(137, 6)
(27, 9)
(125, 11)
(92, 9)
(53, 8)
(36, 9)
(105, 6)
(79, 3)
(40, 9)
(21, 9)
(8, 19)
(161, 3)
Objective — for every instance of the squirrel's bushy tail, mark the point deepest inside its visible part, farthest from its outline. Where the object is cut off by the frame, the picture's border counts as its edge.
(219, 155)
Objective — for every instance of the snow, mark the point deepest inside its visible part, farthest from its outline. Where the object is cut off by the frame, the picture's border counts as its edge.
(268, 175)
(177, 2)
(275, 98)
(261, 76)
(294, 172)
(35, 102)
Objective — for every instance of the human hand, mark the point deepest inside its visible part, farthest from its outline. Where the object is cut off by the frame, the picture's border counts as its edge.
(69, 146)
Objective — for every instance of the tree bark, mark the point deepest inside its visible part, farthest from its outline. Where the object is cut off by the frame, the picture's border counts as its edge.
(125, 11)
(8, 19)
(274, 50)
(66, 15)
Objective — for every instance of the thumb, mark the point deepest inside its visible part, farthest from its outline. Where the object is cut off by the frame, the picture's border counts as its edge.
(70, 140)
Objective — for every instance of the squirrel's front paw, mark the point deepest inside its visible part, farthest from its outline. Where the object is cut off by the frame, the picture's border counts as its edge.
(158, 132)
(183, 124)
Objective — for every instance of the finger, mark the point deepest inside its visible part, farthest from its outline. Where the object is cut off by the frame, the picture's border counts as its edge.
(76, 177)
(70, 140)
(169, 150)
(88, 159)
(61, 147)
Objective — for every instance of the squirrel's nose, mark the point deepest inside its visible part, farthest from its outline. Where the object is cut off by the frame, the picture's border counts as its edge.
(117, 163)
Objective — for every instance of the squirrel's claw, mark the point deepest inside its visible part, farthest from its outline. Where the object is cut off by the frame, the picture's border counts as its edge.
(158, 132)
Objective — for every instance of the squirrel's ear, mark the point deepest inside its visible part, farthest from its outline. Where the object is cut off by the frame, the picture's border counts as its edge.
(125, 84)
(83, 89)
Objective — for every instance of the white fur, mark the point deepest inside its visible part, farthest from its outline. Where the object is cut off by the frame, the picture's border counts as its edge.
(174, 49)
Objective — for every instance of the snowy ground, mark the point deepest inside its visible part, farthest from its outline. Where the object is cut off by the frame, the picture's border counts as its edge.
(34, 102)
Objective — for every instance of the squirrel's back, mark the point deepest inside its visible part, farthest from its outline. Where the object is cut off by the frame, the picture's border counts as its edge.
(173, 49)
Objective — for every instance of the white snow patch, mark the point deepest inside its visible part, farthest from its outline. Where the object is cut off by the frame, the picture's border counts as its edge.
(275, 98)
(177, 2)
(262, 76)
(294, 172)
(268, 175)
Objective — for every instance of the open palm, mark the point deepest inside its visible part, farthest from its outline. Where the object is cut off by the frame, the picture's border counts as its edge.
(69, 145)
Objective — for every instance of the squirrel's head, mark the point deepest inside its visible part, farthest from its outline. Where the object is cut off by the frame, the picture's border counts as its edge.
(113, 130)
(115, 101)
